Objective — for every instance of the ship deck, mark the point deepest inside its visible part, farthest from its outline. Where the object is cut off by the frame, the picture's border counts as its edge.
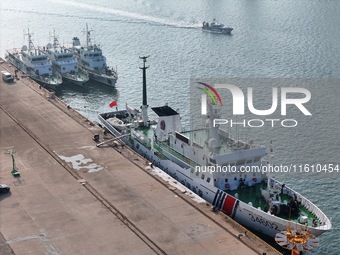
(200, 138)
(253, 195)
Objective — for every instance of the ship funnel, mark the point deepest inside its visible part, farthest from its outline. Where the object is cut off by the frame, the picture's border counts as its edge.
(145, 104)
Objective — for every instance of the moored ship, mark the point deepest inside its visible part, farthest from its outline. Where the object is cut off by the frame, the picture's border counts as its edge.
(254, 199)
(91, 58)
(66, 63)
(34, 63)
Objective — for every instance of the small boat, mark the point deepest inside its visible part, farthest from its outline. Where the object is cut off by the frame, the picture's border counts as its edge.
(215, 27)
(66, 63)
(35, 64)
(254, 199)
(90, 57)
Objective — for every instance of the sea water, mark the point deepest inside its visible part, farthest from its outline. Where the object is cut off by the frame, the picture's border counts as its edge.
(271, 39)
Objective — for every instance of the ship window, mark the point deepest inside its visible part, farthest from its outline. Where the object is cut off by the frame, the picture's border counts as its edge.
(208, 179)
(203, 176)
(249, 161)
(197, 173)
(192, 170)
(241, 162)
(254, 174)
(235, 178)
(226, 180)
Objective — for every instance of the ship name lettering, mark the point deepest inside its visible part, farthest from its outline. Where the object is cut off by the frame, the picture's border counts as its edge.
(263, 222)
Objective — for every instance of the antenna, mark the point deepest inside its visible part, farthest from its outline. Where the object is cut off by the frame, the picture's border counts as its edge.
(55, 40)
(270, 162)
(88, 36)
(30, 43)
(144, 78)
(145, 104)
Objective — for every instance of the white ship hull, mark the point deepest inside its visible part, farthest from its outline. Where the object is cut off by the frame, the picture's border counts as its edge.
(219, 31)
(102, 78)
(71, 78)
(50, 81)
(80, 83)
(78, 77)
(241, 212)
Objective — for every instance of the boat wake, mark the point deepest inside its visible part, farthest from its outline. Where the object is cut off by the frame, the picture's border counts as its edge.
(56, 14)
(131, 15)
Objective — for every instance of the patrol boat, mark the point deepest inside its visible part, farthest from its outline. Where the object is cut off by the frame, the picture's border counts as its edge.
(65, 63)
(34, 63)
(90, 57)
(253, 199)
(215, 27)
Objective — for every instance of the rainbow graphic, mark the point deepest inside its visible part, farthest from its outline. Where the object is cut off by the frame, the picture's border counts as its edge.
(212, 93)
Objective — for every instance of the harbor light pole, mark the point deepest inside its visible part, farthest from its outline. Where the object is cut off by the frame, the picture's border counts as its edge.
(14, 171)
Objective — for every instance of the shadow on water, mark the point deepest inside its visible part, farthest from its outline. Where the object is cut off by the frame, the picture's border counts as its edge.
(88, 100)
(91, 88)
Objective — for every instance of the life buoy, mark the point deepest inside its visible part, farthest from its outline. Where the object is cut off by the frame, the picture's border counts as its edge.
(227, 186)
(254, 180)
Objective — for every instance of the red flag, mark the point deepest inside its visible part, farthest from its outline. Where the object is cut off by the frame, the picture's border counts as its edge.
(113, 103)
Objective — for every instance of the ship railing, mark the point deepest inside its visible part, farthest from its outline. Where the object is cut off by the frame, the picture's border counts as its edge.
(179, 156)
(146, 142)
(325, 222)
(111, 129)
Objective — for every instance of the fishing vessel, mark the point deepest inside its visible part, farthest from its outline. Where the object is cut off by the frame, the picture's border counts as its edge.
(254, 199)
(91, 58)
(64, 62)
(34, 63)
(216, 27)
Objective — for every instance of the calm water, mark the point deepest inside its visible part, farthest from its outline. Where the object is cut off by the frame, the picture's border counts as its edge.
(271, 38)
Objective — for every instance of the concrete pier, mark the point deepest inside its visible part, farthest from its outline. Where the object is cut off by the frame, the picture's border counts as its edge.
(74, 198)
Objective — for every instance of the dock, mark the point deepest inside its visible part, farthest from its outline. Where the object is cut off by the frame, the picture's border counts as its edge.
(73, 197)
